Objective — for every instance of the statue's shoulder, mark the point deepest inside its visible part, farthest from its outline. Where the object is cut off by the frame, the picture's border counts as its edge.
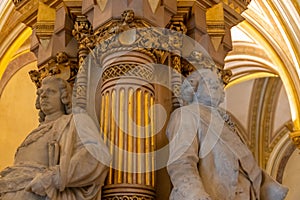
(63, 121)
(66, 117)
(186, 112)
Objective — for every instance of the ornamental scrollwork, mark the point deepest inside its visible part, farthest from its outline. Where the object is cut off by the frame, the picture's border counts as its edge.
(61, 66)
(83, 33)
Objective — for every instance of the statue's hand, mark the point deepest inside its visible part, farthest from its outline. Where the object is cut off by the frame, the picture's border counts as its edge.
(36, 187)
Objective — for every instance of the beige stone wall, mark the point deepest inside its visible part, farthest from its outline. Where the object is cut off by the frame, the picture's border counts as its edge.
(291, 176)
(18, 115)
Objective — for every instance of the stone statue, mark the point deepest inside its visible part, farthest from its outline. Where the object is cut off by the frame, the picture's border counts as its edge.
(208, 160)
(54, 161)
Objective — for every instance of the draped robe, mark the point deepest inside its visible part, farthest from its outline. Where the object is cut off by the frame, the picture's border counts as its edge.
(60, 160)
(209, 161)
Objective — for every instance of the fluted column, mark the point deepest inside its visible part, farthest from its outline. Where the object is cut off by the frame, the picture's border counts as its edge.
(127, 121)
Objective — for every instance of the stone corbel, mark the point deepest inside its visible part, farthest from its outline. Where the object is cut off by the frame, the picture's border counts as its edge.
(295, 136)
(44, 27)
(215, 24)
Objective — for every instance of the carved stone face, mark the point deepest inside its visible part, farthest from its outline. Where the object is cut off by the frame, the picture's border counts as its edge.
(210, 91)
(50, 98)
(189, 87)
(128, 16)
(202, 86)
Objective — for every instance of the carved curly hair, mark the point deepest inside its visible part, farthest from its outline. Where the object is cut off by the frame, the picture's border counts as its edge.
(66, 95)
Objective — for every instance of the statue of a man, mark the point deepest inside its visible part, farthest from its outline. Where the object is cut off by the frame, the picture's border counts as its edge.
(53, 162)
(208, 160)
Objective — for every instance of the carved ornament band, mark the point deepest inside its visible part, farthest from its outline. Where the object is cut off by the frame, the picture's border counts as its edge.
(127, 69)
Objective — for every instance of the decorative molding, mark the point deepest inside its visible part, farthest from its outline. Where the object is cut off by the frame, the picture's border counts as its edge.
(28, 9)
(61, 66)
(14, 66)
(263, 102)
(127, 69)
(254, 107)
(44, 31)
(285, 158)
(128, 192)
(215, 24)
(83, 33)
(237, 5)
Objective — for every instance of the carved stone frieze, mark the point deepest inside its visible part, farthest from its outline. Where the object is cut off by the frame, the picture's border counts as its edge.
(44, 29)
(127, 32)
(128, 192)
(130, 197)
(61, 66)
(127, 69)
(127, 22)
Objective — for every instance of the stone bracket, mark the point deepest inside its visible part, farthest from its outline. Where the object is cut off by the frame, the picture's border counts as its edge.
(295, 136)
(215, 24)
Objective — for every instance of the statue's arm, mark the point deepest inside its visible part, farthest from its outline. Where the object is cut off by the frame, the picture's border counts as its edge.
(76, 167)
(82, 170)
(184, 158)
